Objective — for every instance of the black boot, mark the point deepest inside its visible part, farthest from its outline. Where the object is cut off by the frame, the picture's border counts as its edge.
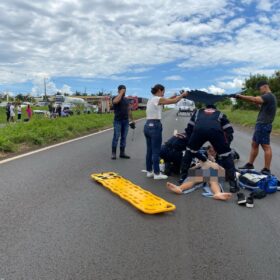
(123, 155)
(233, 187)
(185, 165)
(114, 153)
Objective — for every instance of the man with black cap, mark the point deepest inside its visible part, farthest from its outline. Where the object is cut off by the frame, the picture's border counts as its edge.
(268, 106)
(121, 122)
(209, 124)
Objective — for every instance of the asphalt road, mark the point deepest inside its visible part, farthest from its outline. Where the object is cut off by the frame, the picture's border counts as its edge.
(56, 223)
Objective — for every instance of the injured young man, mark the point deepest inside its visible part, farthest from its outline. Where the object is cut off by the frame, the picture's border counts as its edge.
(204, 172)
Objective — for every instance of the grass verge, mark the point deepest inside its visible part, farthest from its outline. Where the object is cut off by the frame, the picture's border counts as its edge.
(248, 118)
(22, 136)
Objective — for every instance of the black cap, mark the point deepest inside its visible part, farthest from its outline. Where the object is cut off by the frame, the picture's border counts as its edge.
(121, 87)
(260, 84)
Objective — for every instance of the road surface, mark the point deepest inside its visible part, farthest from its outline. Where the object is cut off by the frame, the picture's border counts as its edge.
(56, 223)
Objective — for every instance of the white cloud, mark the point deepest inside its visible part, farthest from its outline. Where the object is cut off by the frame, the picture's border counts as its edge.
(66, 89)
(264, 19)
(91, 39)
(99, 38)
(213, 89)
(255, 45)
(126, 78)
(174, 78)
(253, 70)
(216, 90)
(236, 23)
(39, 81)
(235, 83)
(264, 5)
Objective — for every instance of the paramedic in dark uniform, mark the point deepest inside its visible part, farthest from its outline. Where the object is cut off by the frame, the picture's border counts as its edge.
(211, 125)
(121, 122)
(172, 152)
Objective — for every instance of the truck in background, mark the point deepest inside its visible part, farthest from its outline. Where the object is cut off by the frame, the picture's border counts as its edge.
(138, 103)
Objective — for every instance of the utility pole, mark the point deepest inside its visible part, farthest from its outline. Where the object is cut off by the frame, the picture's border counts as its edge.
(45, 90)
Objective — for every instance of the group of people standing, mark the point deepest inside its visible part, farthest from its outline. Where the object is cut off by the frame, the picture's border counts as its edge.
(206, 125)
(12, 108)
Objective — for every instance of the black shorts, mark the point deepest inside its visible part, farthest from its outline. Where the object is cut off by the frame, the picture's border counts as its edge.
(262, 133)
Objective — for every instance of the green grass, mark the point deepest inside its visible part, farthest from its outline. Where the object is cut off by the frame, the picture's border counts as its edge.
(41, 131)
(248, 118)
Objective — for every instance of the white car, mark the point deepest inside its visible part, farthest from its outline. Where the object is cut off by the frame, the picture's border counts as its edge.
(3, 104)
(186, 106)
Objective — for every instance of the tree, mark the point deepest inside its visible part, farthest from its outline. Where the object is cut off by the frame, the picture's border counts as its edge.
(250, 89)
(19, 97)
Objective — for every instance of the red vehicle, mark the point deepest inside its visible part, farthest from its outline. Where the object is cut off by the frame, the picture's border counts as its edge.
(138, 103)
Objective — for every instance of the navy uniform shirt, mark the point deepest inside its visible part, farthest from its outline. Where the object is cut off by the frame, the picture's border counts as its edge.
(210, 119)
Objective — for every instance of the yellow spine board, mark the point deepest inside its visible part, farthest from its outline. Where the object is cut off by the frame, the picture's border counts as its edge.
(143, 200)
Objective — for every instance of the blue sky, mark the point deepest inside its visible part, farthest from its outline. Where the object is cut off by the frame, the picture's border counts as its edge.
(96, 45)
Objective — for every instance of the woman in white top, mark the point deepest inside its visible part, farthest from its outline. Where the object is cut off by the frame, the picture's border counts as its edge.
(12, 112)
(153, 129)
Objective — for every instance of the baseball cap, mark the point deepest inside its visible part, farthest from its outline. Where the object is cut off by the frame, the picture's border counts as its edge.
(121, 87)
(260, 84)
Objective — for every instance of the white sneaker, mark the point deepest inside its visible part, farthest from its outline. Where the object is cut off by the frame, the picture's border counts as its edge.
(150, 174)
(160, 176)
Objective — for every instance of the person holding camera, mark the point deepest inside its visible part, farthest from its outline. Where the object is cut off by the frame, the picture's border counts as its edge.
(122, 113)
(153, 129)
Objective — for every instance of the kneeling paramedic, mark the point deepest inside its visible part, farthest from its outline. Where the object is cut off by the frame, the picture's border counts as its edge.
(209, 124)
(172, 152)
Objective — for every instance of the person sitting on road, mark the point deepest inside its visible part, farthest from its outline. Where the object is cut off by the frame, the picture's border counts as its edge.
(204, 171)
(172, 152)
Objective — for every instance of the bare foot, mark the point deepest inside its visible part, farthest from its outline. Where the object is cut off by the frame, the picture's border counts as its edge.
(173, 188)
(222, 196)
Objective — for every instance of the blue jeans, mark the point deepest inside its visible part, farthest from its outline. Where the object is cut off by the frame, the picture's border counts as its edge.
(153, 134)
(120, 130)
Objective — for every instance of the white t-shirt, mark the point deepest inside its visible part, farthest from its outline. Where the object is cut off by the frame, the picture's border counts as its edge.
(12, 112)
(154, 110)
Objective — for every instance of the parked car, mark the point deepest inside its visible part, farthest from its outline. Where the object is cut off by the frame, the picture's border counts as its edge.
(42, 103)
(3, 104)
(186, 106)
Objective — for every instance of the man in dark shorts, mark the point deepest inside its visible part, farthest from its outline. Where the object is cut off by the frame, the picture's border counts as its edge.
(263, 127)
(121, 122)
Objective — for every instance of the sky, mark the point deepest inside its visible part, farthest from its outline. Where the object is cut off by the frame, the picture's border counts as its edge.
(95, 45)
